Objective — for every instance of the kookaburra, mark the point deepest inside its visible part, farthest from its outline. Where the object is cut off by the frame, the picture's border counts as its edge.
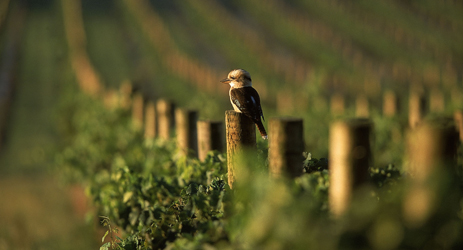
(244, 98)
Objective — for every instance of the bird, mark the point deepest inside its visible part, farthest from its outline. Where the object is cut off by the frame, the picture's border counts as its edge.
(244, 98)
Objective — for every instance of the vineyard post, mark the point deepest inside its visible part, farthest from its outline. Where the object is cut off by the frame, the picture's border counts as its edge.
(186, 131)
(430, 146)
(210, 137)
(350, 157)
(87, 77)
(241, 134)
(137, 109)
(390, 103)
(286, 144)
(166, 118)
(416, 108)
(362, 108)
(150, 120)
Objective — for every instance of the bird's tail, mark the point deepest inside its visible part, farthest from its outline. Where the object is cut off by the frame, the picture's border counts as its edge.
(261, 129)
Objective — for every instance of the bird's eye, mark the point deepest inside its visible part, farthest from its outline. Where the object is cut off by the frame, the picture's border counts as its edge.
(232, 77)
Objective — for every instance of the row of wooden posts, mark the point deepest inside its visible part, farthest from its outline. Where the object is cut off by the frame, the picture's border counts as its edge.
(418, 103)
(196, 138)
(430, 144)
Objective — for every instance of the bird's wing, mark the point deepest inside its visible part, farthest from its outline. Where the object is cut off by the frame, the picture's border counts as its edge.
(247, 101)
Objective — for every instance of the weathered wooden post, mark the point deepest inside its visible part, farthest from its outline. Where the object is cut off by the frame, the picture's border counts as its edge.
(210, 137)
(362, 108)
(286, 145)
(186, 130)
(416, 108)
(349, 158)
(150, 120)
(432, 146)
(241, 135)
(166, 118)
(137, 109)
(390, 104)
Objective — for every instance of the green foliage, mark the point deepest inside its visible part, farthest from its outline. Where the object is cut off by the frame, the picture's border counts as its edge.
(383, 176)
(312, 165)
(161, 200)
(145, 187)
(388, 140)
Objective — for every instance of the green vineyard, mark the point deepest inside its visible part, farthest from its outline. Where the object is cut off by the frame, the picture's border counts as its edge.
(116, 131)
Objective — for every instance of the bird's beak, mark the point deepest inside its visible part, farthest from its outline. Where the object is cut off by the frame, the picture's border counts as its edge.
(226, 81)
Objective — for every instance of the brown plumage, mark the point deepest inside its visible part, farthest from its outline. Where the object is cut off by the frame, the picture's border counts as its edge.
(244, 98)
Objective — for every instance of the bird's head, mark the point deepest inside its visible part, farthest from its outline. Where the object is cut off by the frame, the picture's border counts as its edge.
(238, 78)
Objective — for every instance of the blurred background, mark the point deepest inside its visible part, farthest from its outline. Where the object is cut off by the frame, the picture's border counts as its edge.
(305, 57)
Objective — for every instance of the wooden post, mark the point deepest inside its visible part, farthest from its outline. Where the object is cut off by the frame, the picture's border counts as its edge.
(241, 134)
(150, 120)
(416, 108)
(434, 142)
(286, 145)
(431, 145)
(362, 108)
(210, 137)
(390, 104)
(166, 118)
(137, 109)
(186, 130)
(349, 147)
